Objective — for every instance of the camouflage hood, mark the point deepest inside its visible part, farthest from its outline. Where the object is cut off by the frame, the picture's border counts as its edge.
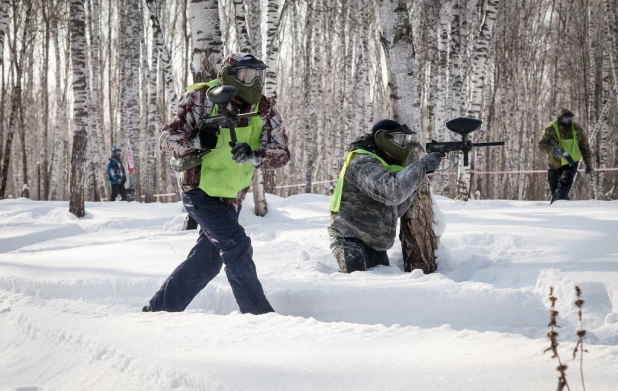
(564, 112)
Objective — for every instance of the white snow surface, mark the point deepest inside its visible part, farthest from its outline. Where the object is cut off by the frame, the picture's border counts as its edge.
(71, 293)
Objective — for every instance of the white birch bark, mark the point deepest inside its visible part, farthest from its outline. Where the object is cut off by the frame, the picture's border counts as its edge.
(254, 17)
(311, 64)
(242, 33)
(400, 53)
(99, 165)
(153, 122)
(418, 238)
(362, 122)
(206, 40)
(591, 37)
(561, 60)
(164, 57)
(270, 49)
(4, 24)
(605, 127)
(80, 106)
(16, 101)
(457, 101)
(442, 75)
(60, 118)
(481, 53)
(611, 20)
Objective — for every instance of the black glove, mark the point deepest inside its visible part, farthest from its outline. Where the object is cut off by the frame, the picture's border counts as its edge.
(243, 154)
(431, 161)
(207, 135)
(589, 169)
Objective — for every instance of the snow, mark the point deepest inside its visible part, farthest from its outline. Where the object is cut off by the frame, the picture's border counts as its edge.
(71, 292)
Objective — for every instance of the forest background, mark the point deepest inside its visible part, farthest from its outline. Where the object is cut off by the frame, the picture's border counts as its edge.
(79, 76)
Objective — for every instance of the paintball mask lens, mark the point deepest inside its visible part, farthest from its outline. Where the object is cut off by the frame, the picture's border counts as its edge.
(401, 139)
(248, 75)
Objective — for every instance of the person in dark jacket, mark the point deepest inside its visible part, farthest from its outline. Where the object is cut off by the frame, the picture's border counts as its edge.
(373, 191)
(116, 173)
(565, 142)
(214, 189)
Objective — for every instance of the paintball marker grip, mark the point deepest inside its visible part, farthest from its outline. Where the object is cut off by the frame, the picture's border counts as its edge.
(233, 136)
(569, 159)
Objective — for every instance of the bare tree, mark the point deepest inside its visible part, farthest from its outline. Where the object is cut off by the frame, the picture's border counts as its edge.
(80, 107)
(206, 39)
(418, 238)
(18, 60)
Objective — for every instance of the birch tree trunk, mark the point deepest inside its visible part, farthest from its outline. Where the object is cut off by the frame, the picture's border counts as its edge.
(241, 26)
(253, 15)
(97, 167)
(560, 60)
(481, 53)
(362, 123)
(4, 24)
(80, 107)
(206, 40)
(60, 118)
(153, 121)
(311, 53)
(592, 69)
(418, 239)
(16, 98)
(164, 57)
(45, 98)
(264, 181)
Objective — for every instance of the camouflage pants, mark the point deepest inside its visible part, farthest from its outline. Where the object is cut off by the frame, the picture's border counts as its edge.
(560, 181)
(353, 255)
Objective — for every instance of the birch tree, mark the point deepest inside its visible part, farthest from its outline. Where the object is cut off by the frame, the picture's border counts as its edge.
(481, 53)
(60, 118)
(418, 238)
(4, 23)
(80, 107)
(16, 96)
(206, 40)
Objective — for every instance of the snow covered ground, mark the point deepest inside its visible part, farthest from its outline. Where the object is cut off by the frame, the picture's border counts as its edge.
(71, 292)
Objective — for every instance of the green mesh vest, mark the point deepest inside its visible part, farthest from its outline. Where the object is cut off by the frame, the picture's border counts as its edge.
(335, 202)
(221, 176)
(571, 146)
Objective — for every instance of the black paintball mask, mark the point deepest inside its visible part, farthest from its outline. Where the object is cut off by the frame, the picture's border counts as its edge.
(566, 120)
(393, 139)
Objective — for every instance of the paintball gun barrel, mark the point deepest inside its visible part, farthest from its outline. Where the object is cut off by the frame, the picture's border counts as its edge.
(462, 126)
(221, 96)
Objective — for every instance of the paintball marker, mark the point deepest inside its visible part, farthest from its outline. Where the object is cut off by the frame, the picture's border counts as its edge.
(462, 126)
(564, 154)
(221, 96)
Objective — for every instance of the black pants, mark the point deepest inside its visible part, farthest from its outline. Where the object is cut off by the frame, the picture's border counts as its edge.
(119, 189)
(353, 255)
(222, 240)
(560, 181)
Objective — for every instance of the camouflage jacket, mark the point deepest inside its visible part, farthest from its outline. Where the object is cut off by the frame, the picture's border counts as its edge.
(175, 136)
(547, 146)
(372, 201)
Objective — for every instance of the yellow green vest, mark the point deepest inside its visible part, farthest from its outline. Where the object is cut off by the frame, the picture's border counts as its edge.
(335, 202)
(571, 146)
(221, 176)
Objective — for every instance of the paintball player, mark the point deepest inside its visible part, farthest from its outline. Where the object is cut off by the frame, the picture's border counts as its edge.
(372, 192)
(565, 143)
(117, 175)
(213, 191)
